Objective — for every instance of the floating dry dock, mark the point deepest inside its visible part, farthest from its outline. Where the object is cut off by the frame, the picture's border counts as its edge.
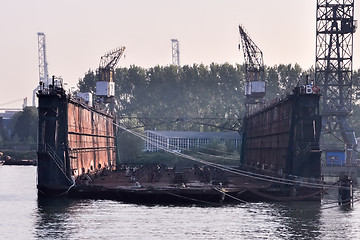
(280, 157)
(159, 184)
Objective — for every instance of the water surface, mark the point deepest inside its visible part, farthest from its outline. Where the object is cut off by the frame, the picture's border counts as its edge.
(24, 216)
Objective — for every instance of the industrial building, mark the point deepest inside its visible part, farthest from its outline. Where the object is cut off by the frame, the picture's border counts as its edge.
(182, 140)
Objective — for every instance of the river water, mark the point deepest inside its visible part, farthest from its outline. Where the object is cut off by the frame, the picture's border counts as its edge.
(24, 216)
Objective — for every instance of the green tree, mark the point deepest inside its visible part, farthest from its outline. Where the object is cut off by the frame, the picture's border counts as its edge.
(129, 147)
(25, 125)
(196, 91)
(88, 83)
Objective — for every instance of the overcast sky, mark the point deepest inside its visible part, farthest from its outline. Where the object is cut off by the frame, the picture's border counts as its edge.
(79, 32)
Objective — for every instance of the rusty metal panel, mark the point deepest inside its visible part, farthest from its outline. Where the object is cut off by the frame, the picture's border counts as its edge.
(283, 137)
(267, 137)
(90, 140)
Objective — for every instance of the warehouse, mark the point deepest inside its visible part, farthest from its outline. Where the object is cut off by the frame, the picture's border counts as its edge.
(180, 140)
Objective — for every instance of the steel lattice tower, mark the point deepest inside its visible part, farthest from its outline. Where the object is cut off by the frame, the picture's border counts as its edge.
(333, 69)
(43, 71)
(255, 89)
(43, 65)
(175, 52)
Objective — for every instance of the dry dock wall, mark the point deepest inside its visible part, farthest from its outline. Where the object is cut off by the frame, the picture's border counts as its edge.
(284, 136)
(73, 140)
(91, 140)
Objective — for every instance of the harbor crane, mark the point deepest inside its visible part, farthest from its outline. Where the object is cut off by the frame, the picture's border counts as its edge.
(105, 86)
(175, 52)
(335, 26)
(43, 65)
(254, 69)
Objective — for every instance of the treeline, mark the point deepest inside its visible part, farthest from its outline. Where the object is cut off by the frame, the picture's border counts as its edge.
(198, 91)
(163, 95)
(18, 135)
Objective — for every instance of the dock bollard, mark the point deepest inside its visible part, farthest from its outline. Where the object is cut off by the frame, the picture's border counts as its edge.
(345, 190)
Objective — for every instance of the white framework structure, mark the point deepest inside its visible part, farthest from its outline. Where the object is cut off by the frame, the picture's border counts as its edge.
(43, 65)
(178, 141)
(175, 52)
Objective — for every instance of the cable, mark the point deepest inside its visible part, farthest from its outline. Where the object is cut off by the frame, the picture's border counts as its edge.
(192, 199)
(226, 194)
(229, 169)
(221, 167)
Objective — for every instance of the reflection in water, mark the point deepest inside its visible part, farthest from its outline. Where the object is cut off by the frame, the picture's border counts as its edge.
(89, 219)
(53, 218)
(300, 220)
(24, 216)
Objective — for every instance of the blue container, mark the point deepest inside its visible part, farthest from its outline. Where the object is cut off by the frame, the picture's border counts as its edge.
(336, 158)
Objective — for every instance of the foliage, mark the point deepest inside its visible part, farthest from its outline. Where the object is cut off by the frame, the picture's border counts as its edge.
(129, 146)
(25, 125)
(160, 157)
(88, 83)
(20, 139)
(197, 91)
(171, 92)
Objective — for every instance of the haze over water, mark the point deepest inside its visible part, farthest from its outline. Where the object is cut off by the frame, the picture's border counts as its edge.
(24, 216)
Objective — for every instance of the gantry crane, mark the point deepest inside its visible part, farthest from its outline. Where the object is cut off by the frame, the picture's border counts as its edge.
(254, 69)
(105, 86)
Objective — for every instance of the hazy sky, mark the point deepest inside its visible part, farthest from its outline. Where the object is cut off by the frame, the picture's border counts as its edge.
(79, 32)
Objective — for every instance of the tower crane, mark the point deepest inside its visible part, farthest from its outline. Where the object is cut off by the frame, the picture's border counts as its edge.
(254, 69)
(105, 86)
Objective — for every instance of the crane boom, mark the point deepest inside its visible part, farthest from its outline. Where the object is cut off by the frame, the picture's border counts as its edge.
(254, 63)
(108, 63)
(110, 59)
(254, 69)
(105, 87)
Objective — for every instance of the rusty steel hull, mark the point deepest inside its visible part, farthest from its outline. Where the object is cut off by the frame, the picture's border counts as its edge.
(73, 139)
(91, 141)
(283, 138)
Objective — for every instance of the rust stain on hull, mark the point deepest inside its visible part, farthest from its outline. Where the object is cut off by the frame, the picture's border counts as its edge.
(91, 140)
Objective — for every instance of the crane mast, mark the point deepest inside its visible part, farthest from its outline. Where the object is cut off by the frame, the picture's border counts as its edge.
(43, 65)
(335, 26)
(175, 52)
(43, 70)
(254, 69)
